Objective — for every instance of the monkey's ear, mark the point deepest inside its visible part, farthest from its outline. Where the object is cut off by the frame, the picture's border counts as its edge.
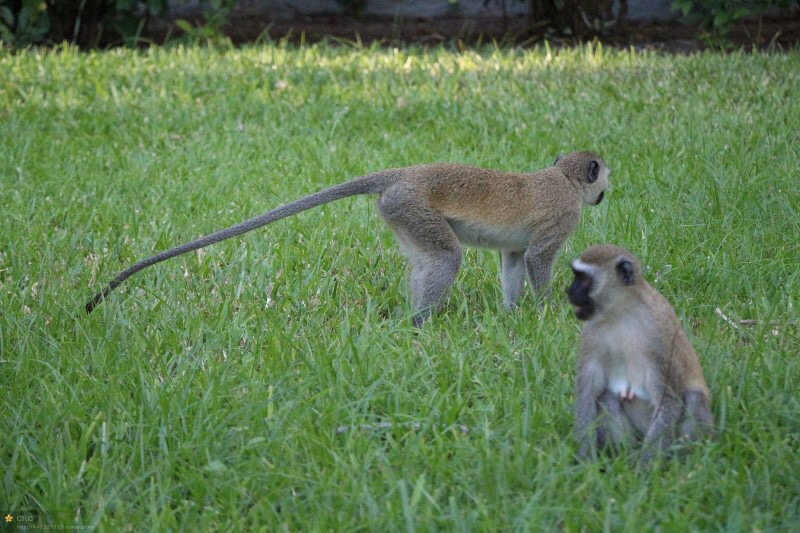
(594, 171)
(625, 270)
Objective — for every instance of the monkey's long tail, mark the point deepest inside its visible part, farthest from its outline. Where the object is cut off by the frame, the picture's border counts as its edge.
(371, 183)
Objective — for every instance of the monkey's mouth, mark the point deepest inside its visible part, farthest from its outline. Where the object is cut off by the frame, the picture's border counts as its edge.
(584, 311)
(600, 197)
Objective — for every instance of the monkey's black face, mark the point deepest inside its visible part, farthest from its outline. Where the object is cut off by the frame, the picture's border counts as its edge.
(578, 294)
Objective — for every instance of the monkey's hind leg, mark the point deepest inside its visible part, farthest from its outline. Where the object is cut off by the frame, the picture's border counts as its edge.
(613, 427)
(661, 433)
(430, 245)
(432, 276)
(698, 422)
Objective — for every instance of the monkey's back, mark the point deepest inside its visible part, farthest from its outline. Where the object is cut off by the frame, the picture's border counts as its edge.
(506, 199)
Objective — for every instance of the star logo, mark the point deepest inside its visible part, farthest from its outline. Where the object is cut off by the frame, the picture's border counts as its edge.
(9, 518)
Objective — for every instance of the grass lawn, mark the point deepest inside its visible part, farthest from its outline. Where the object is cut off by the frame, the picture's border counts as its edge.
(206, 393)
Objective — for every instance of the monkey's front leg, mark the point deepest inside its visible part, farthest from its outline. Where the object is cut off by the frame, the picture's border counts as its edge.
(586, 412)
(539, 262)
(662, 429)
(512, 277)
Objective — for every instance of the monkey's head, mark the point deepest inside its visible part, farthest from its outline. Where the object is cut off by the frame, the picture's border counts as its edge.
(588, 171)
(605, 277)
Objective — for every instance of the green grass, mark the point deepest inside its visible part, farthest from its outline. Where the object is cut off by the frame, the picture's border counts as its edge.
(206, 393)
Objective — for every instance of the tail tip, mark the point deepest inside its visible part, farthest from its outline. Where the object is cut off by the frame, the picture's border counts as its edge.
(91, 304)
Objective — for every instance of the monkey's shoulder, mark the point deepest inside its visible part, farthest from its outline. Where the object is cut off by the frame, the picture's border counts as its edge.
(672, 333)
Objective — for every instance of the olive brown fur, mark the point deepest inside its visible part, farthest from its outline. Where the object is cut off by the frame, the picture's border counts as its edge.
(434, 209)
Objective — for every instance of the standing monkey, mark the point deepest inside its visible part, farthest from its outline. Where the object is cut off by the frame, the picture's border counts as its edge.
(434, 209)
(638, 376)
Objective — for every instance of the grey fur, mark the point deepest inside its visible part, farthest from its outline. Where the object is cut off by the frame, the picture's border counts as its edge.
(639, 378)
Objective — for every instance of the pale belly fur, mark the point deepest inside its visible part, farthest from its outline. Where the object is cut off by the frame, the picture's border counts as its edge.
(629, 376)
(486, 236)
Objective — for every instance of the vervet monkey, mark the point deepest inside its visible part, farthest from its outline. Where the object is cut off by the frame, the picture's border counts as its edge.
(639, 379)
(433, 209)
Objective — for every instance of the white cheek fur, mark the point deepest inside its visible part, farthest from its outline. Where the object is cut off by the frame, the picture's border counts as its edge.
(586, 268)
